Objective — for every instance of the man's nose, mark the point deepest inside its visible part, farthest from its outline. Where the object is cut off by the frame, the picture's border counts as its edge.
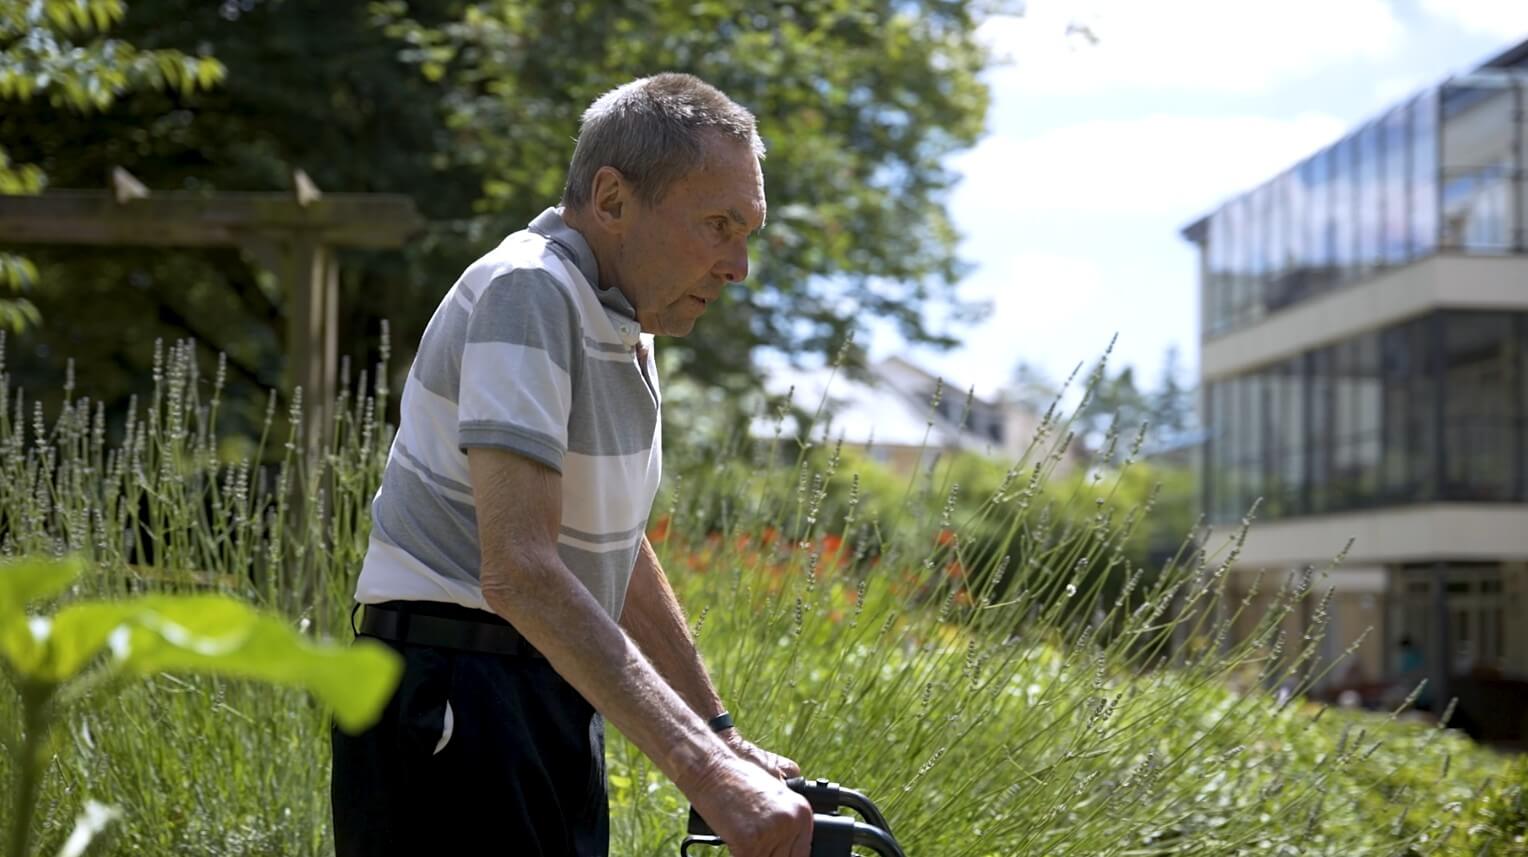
(734, 266)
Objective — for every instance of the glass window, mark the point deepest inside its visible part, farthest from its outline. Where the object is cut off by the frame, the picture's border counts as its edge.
(1294, 229)
(1478, 162)
(1358, 423)
(1215, 280)
(1479, 424)
(1220, 439)
(1424, 174)
(1520, 226)
(1318, 222)
(1475, 203)
(1286, 439)
(1224, 441)
(1368, 416)
(1407, 428)
(1276, 295)
(1273, 295)
(1344, 461)
(1236, 263)
(1344, 227)
(1254, 459)
(1318, 445)
(1395, 234)
(1208, 463)
(1370, 201)
(1258, 261)
(1236, 436)
(1522, 406)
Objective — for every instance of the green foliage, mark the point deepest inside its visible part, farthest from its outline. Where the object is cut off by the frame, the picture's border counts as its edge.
(471, 108)
(1051, 717)
(55, 51)
(45, 659)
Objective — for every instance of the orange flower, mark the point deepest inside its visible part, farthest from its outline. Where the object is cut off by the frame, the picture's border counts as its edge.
(659, 530)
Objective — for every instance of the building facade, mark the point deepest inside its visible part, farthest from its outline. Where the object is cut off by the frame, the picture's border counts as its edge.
(890, 412)
(1365, 375)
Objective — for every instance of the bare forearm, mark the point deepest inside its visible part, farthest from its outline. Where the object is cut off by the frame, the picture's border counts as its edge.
(557, 615)
(656, 622)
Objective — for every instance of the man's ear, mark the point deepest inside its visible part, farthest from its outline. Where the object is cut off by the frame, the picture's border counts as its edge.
(610, 200)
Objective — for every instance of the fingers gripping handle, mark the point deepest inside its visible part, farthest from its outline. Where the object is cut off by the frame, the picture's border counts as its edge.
(832, 836)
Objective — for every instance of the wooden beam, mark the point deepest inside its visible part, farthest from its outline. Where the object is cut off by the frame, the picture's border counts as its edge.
(294, 235)
(183, 219)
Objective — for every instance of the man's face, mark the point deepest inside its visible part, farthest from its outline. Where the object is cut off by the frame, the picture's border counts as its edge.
(675, 257)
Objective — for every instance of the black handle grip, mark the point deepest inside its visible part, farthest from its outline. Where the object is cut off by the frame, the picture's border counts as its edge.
(832, 836)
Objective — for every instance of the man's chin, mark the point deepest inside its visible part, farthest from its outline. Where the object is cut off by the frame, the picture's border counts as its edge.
(678, 327)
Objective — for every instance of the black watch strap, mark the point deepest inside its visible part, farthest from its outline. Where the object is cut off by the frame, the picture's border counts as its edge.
(721, 722)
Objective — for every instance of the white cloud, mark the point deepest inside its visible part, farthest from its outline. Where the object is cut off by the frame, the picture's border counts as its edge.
(1503, 19)
(1193, 45)
(1163, 165)
(1040, 303)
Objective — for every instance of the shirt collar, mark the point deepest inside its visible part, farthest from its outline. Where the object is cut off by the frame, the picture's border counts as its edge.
(571, 245)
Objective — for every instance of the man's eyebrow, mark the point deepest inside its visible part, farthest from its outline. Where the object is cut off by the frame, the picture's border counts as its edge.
(737, 218)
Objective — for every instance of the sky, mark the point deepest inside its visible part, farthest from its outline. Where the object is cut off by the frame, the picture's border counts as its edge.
(1098, 153)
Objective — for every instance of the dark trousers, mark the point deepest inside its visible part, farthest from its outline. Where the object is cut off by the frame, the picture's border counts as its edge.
(522, 771)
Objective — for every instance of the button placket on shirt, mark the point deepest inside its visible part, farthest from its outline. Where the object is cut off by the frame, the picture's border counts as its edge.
(631, 336)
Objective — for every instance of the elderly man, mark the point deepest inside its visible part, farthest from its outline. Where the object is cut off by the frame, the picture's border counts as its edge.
(507, 561)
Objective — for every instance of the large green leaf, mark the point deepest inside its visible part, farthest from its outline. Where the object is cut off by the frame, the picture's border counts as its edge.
(201, 633)
(212, 634)
(33, 578)
(23, 581)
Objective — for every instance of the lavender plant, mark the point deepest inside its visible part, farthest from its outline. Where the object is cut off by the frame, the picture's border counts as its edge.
(988, 661)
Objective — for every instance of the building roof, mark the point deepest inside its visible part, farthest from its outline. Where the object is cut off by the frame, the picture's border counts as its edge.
(1514, 57)
(889, 407)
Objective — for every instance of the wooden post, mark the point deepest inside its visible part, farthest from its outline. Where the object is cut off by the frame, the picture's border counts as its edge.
(312, 286)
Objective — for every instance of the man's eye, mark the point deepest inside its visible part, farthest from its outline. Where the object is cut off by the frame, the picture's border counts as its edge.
(719, 226)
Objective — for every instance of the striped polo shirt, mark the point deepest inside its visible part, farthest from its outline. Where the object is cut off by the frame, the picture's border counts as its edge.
(524, 354)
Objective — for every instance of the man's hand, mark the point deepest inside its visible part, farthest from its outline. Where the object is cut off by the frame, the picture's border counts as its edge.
(772, 763)
(754, 813)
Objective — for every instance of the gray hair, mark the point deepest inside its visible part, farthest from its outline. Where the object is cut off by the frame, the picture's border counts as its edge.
(651, 129)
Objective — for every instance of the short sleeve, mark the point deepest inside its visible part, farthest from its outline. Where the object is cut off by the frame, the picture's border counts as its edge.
(516, 392)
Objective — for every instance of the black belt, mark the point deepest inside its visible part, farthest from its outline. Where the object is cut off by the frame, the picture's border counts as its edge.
(447, 626)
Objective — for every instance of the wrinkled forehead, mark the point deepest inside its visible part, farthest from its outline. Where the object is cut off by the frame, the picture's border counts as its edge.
(730, 178)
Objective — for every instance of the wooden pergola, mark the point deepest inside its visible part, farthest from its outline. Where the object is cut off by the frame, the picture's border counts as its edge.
(293, 235)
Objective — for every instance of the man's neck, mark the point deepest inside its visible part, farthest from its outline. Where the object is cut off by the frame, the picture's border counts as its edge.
(599, 244)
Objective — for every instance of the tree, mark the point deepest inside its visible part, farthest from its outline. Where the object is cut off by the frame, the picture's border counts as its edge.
(471, 107)
(55, 51)
(1116, 402)
(1032, 387)
(1172, 406)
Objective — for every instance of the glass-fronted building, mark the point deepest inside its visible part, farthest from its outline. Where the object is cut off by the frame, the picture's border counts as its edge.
(1365, 374)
